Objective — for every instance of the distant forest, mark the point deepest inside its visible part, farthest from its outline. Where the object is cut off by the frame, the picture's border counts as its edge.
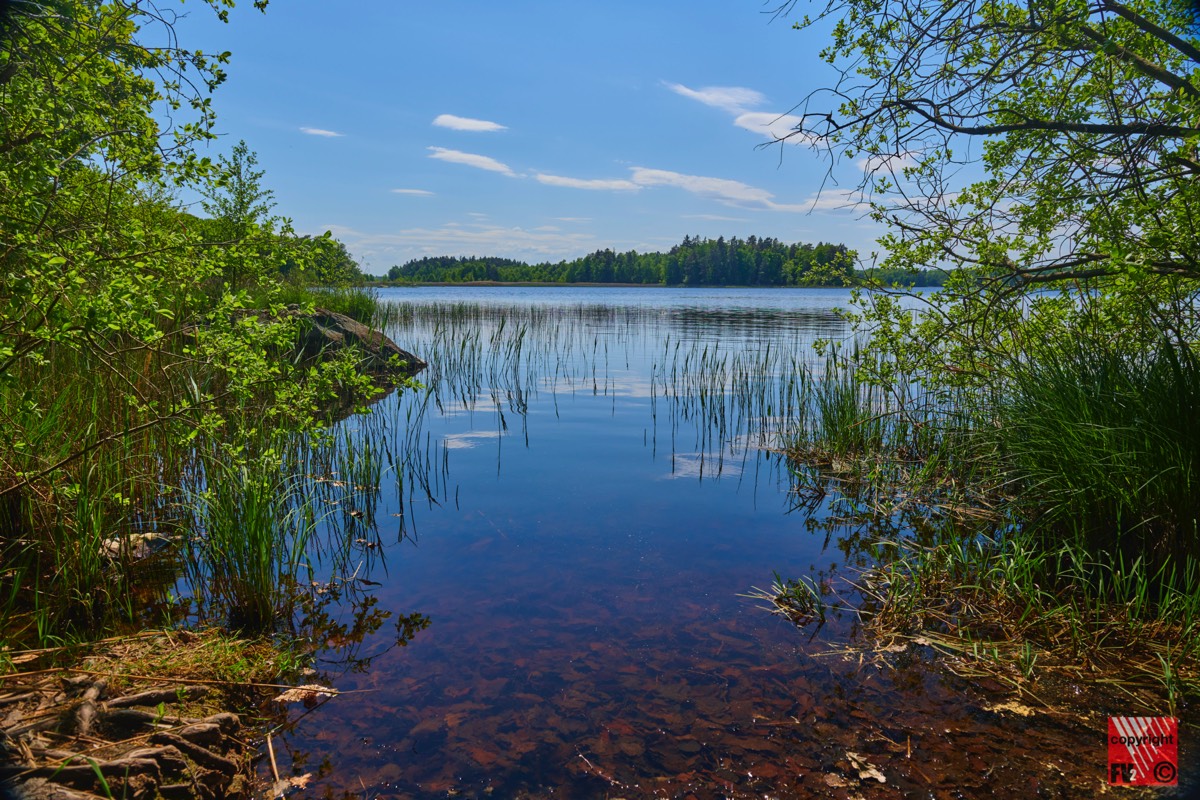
(694, 262)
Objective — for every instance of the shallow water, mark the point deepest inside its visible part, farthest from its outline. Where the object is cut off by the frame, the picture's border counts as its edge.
(572, 515)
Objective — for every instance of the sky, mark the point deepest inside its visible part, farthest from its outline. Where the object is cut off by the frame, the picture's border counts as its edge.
(531, 130)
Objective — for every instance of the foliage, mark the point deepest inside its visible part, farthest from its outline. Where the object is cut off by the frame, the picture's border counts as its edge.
(1043, 154)
(1068, 240)
(694, 262)
(321, 261)
(129, 328)
(1020, 146)
(1087, 110)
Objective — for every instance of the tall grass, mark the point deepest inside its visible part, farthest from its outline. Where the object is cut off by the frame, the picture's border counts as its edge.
(252, 528)
(357, 302)
(95, 489)
(1103, 445)
(67, 521)
(1073, 482)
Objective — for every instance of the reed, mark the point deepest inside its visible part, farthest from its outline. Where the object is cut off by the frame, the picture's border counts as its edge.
(100, 492)
(1102, 445)
(1025, 604)
(252, 527)
(1053, 514)
(357, 302)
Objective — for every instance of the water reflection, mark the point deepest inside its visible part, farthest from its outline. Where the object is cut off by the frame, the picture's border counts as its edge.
(579, 501)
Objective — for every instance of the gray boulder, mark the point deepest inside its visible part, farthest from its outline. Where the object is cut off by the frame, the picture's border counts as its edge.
(326, 332)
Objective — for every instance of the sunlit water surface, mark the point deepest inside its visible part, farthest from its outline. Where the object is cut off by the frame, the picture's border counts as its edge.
(577, 506)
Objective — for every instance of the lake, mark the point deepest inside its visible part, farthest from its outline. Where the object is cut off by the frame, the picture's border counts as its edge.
(550, 598)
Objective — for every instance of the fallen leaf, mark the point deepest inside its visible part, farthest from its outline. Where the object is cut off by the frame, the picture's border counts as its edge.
(864, 767)
(1013, 707)
(281, 787)
(306, 694)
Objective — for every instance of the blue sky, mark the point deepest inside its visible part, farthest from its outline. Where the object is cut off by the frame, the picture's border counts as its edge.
(538, 131)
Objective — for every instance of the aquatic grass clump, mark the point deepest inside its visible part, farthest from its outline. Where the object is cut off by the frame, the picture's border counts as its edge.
(799, 600)
(1004, 605)
(1103, 443)
(1045, 521)
(882, 447)
(253, 531)
(66, 520)
(848, 415)
(357, 302)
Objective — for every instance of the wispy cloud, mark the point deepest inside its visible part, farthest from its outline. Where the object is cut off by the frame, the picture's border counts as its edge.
(713, 217)
(398, 246)
(471, 160)
(893, 163)
(837, 200)
(734, 99)
(418, 192)
(598, 184)
(466, 123)
(321, 132)
(739, 101)
(730, 192)
(774, 126)
(734, 193)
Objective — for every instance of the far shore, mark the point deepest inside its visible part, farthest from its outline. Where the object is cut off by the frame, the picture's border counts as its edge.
(553, 284)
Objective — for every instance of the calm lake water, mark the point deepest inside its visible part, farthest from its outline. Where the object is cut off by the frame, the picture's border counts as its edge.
(551, 599)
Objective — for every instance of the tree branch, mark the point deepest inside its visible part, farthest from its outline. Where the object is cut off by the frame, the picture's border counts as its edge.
(1182, 45)
(1156, 129)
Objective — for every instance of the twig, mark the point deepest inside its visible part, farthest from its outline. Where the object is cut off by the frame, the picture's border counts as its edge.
(161, 679)
(271, 751)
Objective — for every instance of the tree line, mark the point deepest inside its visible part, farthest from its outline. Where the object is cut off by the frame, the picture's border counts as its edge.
(696, 261)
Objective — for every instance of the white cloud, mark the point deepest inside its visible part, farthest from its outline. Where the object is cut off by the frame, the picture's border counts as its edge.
(837, 200)
(713, 217)
(737, 100)
(892, 163)
(471, 160)
(774, 126)
(594, 184)
(734, 193)
(419, 192)
(734, 99)
(321, 132)
(466, 123)
(730, 192)
(396, 247)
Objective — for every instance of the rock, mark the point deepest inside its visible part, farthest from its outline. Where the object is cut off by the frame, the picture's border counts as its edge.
(328, 332)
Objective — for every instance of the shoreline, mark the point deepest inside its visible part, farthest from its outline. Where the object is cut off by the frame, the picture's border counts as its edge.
(552, 285)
